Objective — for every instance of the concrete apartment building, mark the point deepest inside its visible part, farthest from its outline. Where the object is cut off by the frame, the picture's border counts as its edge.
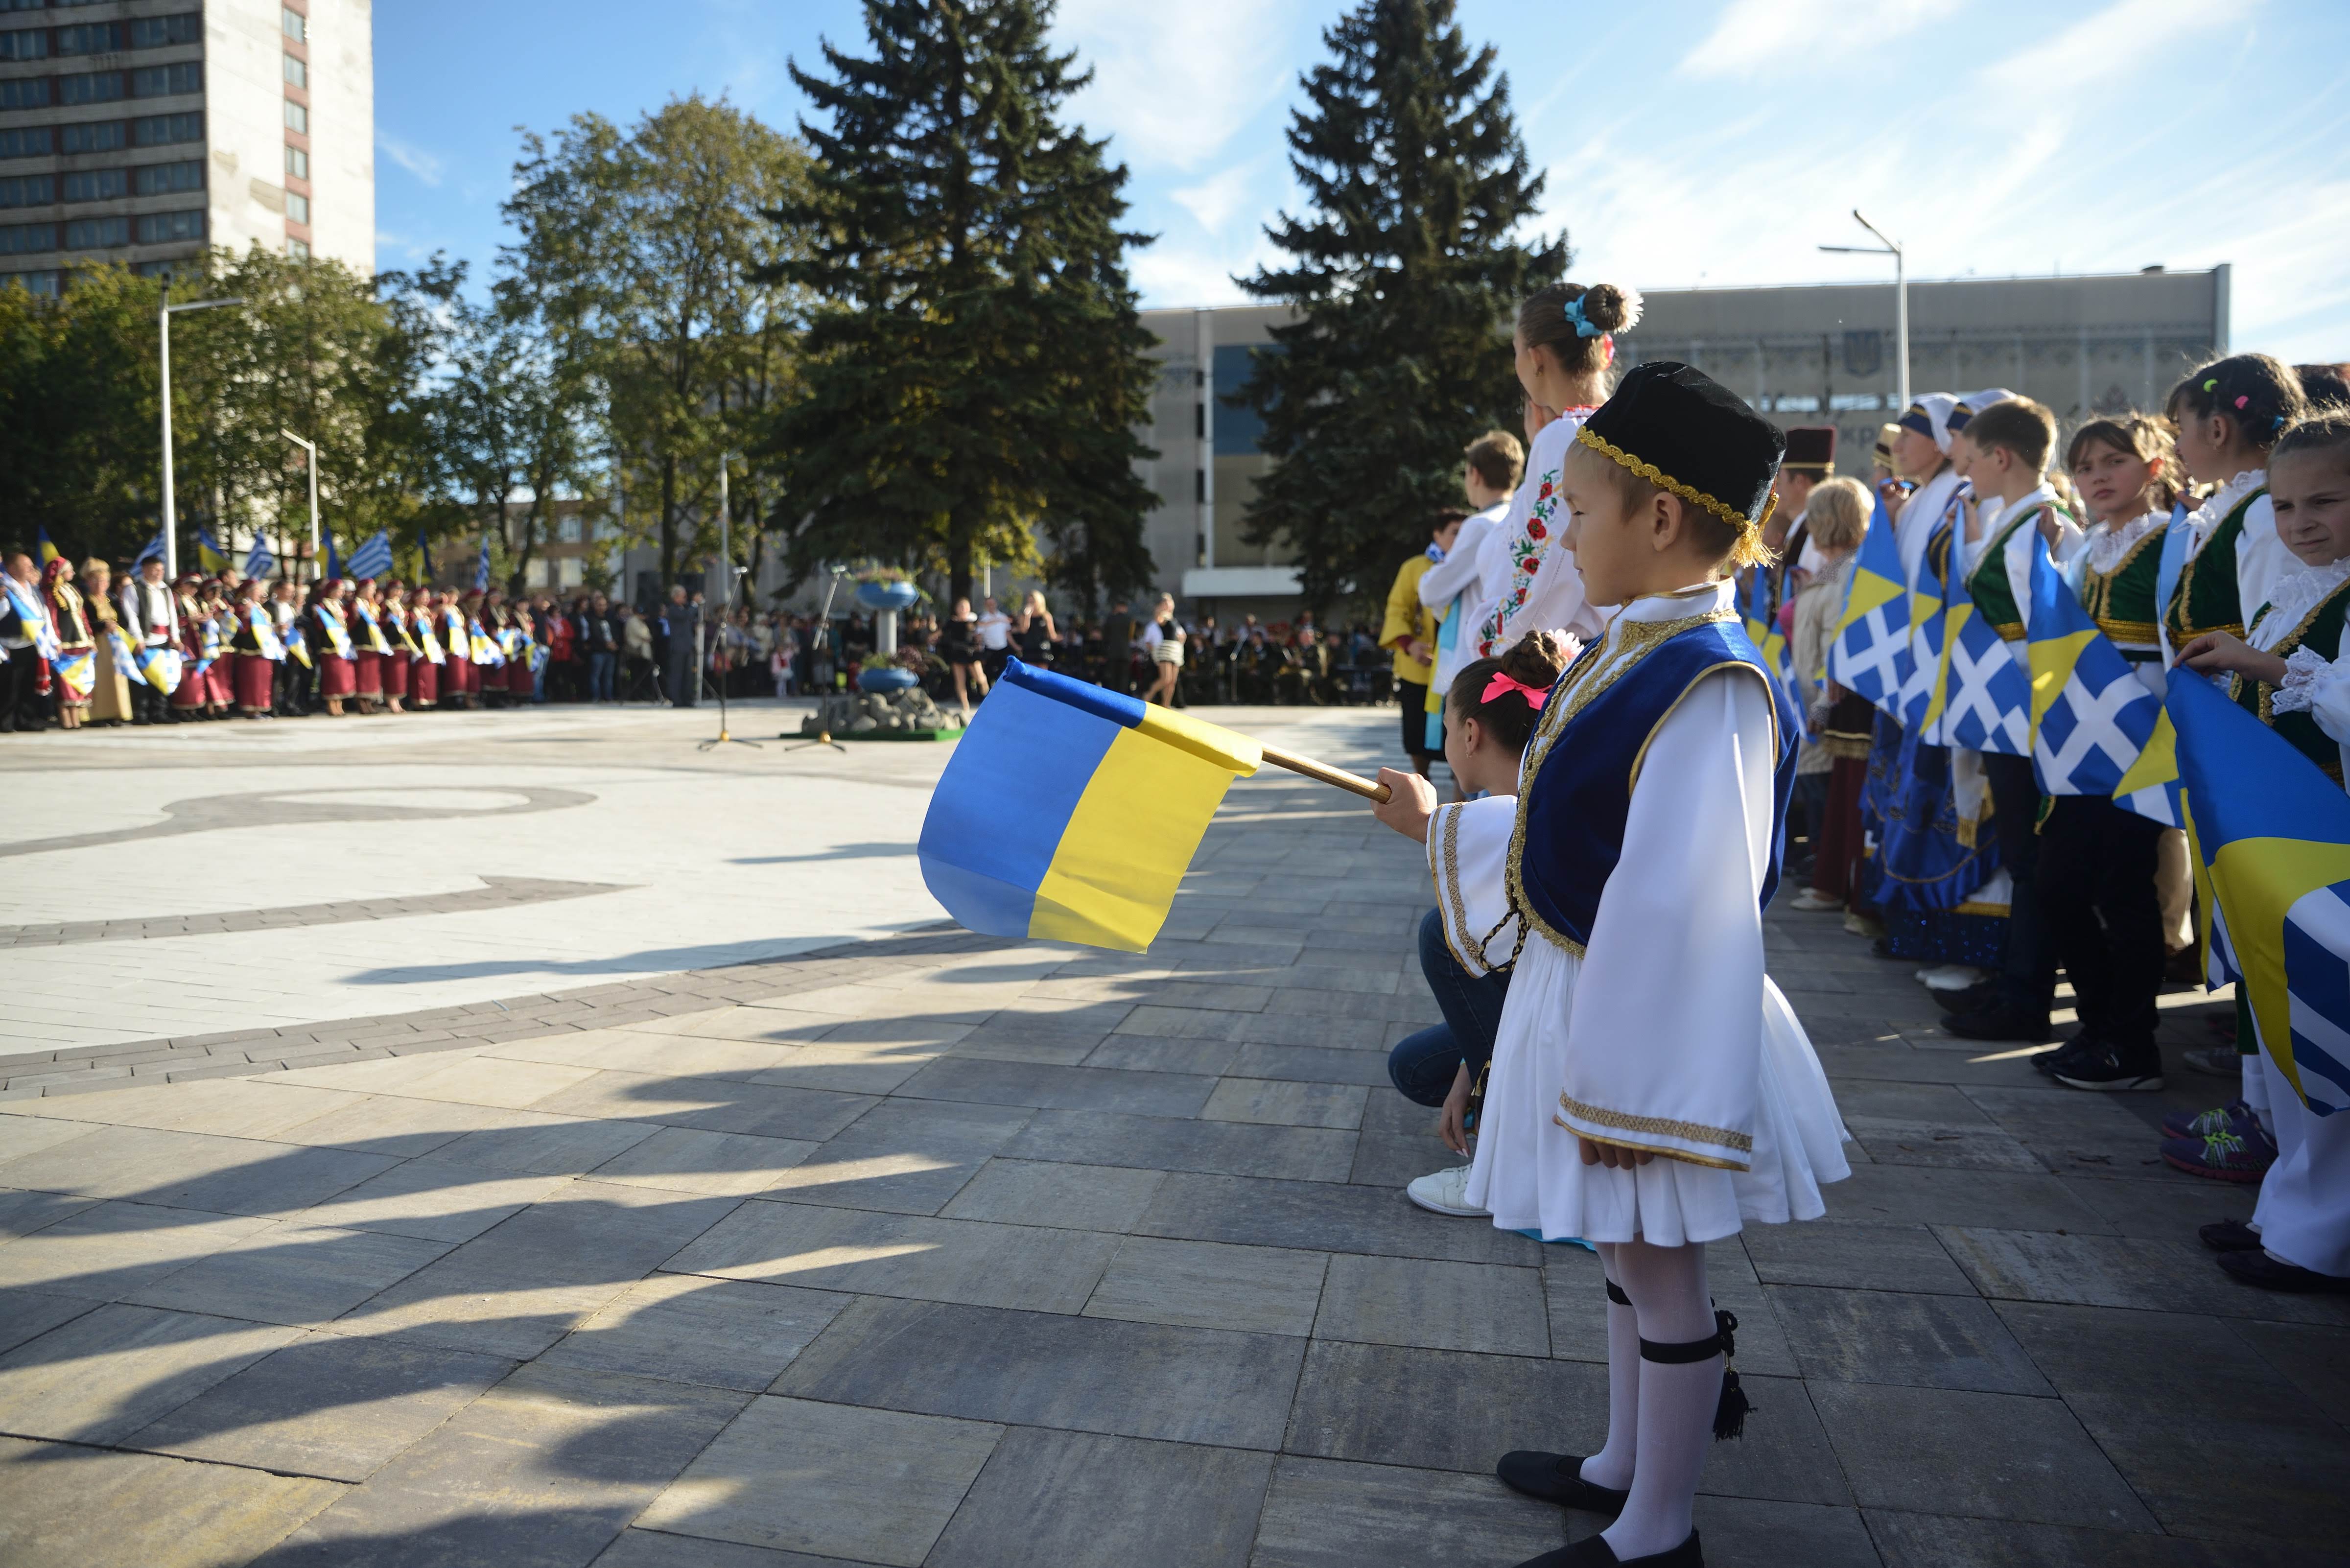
(1820, 354)
(145, 132)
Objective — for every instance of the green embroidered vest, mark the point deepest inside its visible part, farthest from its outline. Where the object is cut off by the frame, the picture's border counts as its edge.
(2206, 599)
(2121, 601)
(1988, 585)
(2321, 633)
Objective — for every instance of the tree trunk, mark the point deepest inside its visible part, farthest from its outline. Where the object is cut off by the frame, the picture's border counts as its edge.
(669, 522)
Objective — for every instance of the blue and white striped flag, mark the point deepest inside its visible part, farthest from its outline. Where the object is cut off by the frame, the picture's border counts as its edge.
(372, 559)
(153, 552)
(258, 561)
(481, 569)
(1870, 655)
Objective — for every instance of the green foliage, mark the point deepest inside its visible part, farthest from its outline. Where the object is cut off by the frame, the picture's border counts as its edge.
(79, 437)
(975, 367)
(1405, 273)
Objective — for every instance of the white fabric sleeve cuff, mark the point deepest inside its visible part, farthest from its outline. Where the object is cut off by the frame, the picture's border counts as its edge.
(2317, 687)
(1469, 855)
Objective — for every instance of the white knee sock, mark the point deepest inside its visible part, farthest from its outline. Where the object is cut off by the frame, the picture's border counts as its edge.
(1612, 1465)
(2256, 1089)
(1677, 1400)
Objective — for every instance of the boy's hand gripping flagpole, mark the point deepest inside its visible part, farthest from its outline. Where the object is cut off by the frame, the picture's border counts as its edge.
(1070, 812)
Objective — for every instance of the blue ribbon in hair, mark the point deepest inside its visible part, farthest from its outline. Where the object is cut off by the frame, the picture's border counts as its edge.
(1583, 327)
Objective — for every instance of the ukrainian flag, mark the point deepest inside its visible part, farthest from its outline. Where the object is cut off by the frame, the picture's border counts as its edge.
(48, 552)
(1763, 630)
(209, 554)
(2274, 835)
(1069, 813)
(1870, 654)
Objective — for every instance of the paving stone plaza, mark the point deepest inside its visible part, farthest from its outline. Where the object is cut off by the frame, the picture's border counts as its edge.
(525, 1139)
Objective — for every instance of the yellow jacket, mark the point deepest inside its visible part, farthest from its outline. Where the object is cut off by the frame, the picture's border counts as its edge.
(1407, 619)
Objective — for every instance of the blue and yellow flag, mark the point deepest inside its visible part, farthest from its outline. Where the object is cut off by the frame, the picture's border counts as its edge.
(1763, 631)
(1870, 652)
(2273, 832)
(48, 552)
(2091, 718)
(209, 554)
(1069, 813)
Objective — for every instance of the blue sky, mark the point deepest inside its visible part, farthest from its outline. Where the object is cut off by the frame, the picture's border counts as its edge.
(1688, 141)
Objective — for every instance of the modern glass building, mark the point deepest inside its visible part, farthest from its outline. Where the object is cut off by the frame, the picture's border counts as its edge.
(144, 132)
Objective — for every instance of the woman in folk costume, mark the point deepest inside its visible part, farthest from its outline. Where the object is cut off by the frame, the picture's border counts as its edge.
(75, 660)
(522, 653)
(1651, 1090)
(1566, 346)
(2289, 671)
(117, 667)
(391, 616)
(220, 668)
(255, 648)
(460, 680)
(369, 647)
(330, 645)
(421, 680)
(1933, 855)
(193, 693)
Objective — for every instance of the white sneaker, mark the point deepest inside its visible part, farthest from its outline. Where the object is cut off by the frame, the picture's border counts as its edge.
(1446, 1192)
(1811, 900)
(1952, 977)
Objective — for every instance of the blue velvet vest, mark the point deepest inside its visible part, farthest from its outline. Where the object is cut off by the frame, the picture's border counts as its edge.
(1576, 794)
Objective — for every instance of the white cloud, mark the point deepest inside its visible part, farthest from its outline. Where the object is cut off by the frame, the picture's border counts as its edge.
(1214, 201)
(1174, 82)
(2116, 42)
(1753, 36)
(425, 166)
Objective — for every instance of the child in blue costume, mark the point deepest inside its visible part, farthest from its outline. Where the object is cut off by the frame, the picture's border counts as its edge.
(1650, 1091)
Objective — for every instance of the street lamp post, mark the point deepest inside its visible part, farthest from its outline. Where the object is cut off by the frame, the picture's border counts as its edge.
(311, 450)
(170, 510)
(1900, 299)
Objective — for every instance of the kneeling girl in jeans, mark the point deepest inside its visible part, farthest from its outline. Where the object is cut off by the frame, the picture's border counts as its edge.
(1490, 712)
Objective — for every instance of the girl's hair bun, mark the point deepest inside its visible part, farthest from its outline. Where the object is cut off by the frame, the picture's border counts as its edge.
(1611, 308)
(1536, 658)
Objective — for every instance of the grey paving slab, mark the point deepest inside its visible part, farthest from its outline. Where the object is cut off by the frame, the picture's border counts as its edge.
(1152, 1054)
(1757, 1532)
(1280, 1103)
(1045, 1192)
(22, 1213)
(1890, 1141)
(1023, 1041)
(2257, 1458)
(23, 1135)
(436, 1201)
(870, 1253)
(1910, 1195)
(394, 1124)
(2162, 1207)
(2100, 1138)
(874, 1486)
(1200, 1285)
(516, 1289)
(325, 1406)
(1943, 1541)
(193, 1170)
(718, 1104)
(1038, 1369)
(973, 1082)
(1440, 1306)
(907, 1156)
(1084, 1500)
(1885, 1336)
(1861, 1257)
(2316, 1360)
(1437, 1409)
(1393, 1160)
(1323, 1513)
(725, 1333)
(157, 1512)
(1924, 1450)
(546, 1468)
(1166, 1143)
(28, 1314)
(690, 1159)
(1317, 1215)
(544, 1145)
(1310, 1065)
(102, 1376)
(291, 1274)
(105, 1251)
(655, 1548)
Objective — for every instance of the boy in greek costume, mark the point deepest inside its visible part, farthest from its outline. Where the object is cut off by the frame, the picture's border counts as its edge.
(1651, 1090)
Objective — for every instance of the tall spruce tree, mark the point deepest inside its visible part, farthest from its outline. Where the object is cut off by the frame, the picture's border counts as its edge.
(974, 372)
(1404, 275)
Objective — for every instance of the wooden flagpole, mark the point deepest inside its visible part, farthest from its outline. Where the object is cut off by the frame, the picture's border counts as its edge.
(1353, 782)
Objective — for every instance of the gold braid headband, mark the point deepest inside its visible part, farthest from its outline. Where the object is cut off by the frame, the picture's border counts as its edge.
(1663, 481)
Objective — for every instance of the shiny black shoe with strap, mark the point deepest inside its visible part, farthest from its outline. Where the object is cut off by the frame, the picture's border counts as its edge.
(1592, 1551)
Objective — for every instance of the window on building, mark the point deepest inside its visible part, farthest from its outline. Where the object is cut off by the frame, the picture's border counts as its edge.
(28, 190)
(297, 119)
(97, 184)
(41, 283)
(297, 163)
(33, 142)
(164, 130)
(155, 32)
(17, 239)
(159, 268)
(298, 208)
(298, 27)
(93, 38)
(164, 81)
(92, 136)
(297, 73)
(162, 228)
(97, 234)
(29, 44)
(25, 92)
(298, 249)
(94, 87)
(22, 4)
(165, 178)
(566, 531)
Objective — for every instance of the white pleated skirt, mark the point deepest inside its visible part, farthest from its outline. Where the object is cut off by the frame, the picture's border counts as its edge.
(1530, 1172)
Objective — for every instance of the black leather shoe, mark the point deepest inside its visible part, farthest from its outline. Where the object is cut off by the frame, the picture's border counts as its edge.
(1998, 1023)
(2257, 1268)
(2229, 1236)
(1592, 1551)
(1557, 1477)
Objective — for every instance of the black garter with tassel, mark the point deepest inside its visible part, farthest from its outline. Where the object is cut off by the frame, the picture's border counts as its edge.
(1730, 1415)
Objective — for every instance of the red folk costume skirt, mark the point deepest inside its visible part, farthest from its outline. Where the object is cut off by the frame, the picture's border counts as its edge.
(194, 690)
(394, 674)
(252, 679)
(367, 672)
(518, 677)
(336, 676)
(423, 681)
